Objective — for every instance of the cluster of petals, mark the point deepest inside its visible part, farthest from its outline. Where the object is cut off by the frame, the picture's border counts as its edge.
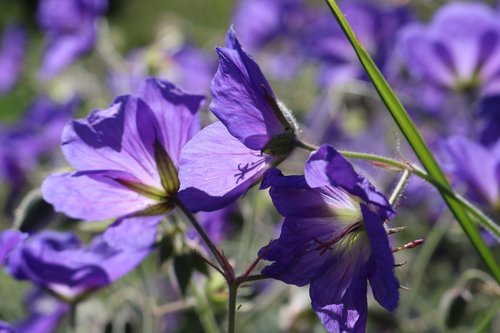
(333, 238)
(251, 135)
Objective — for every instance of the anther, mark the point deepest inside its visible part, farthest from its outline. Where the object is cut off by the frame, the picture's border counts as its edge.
(409, 245)
(391, 231)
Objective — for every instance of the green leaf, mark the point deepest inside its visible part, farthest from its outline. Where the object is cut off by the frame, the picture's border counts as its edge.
(415, 140)
(183, 268)
(199, 264)
(166, 249)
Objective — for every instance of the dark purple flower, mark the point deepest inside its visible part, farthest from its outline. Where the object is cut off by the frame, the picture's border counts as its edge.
(333, 238)
(255, 131)
(60, 262)
(70, 27)
(9, 239)
(12, 49)
(478, 167)
(458, 50)
(489, 111)
(126, 156)
(45, 313)
(375, 27)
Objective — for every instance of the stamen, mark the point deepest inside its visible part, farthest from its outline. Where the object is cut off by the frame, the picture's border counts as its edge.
(409, 245)
(328, 245)
(392, 231)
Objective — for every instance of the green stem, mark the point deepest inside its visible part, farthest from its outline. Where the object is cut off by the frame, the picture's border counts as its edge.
(72, 317)
(204, 310)
(400, 186)
(231, 313)
(415, 139)
(203, 234)
(480, 217)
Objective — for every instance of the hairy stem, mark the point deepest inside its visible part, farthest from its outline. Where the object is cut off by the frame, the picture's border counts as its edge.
(387, 163)
(203, 234)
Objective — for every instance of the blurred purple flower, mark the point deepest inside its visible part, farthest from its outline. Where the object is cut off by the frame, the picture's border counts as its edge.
(261, 21)
(376, 28)
(45, 313)
(24, 144)
(223, 160)
(478, 167)
(273, 28)
(333, 238)
(9, 239)
(70, 27)
(489, 112)
(12, 50)
(217, 223)
(5, 328)
(458, 50)
(60, 262)
(126, 156)
(187, 66)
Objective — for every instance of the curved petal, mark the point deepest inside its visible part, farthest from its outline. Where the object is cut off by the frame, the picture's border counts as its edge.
(215, 169)
(326, 166)
(293, 197)
(110, 140)
(175, 111)
(93, 195)
(298, 255)
(349, 313)
(242, 98)
(385, 286)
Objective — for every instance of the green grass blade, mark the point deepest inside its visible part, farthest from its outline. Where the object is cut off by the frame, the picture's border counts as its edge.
(415, 140)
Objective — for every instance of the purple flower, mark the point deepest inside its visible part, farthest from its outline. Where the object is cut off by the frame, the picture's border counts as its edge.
(12, 49)
(478, 167)
(45, 313)
(261, 21)
(333, 238)
(186, 66)
(458, 50)
(60, 262)
(217, 223)
(126, 156)
(254, 132)
(37, 134)
(70, 27)
(9, 239)
(375, 27)
(489, 111)
(5, 328)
